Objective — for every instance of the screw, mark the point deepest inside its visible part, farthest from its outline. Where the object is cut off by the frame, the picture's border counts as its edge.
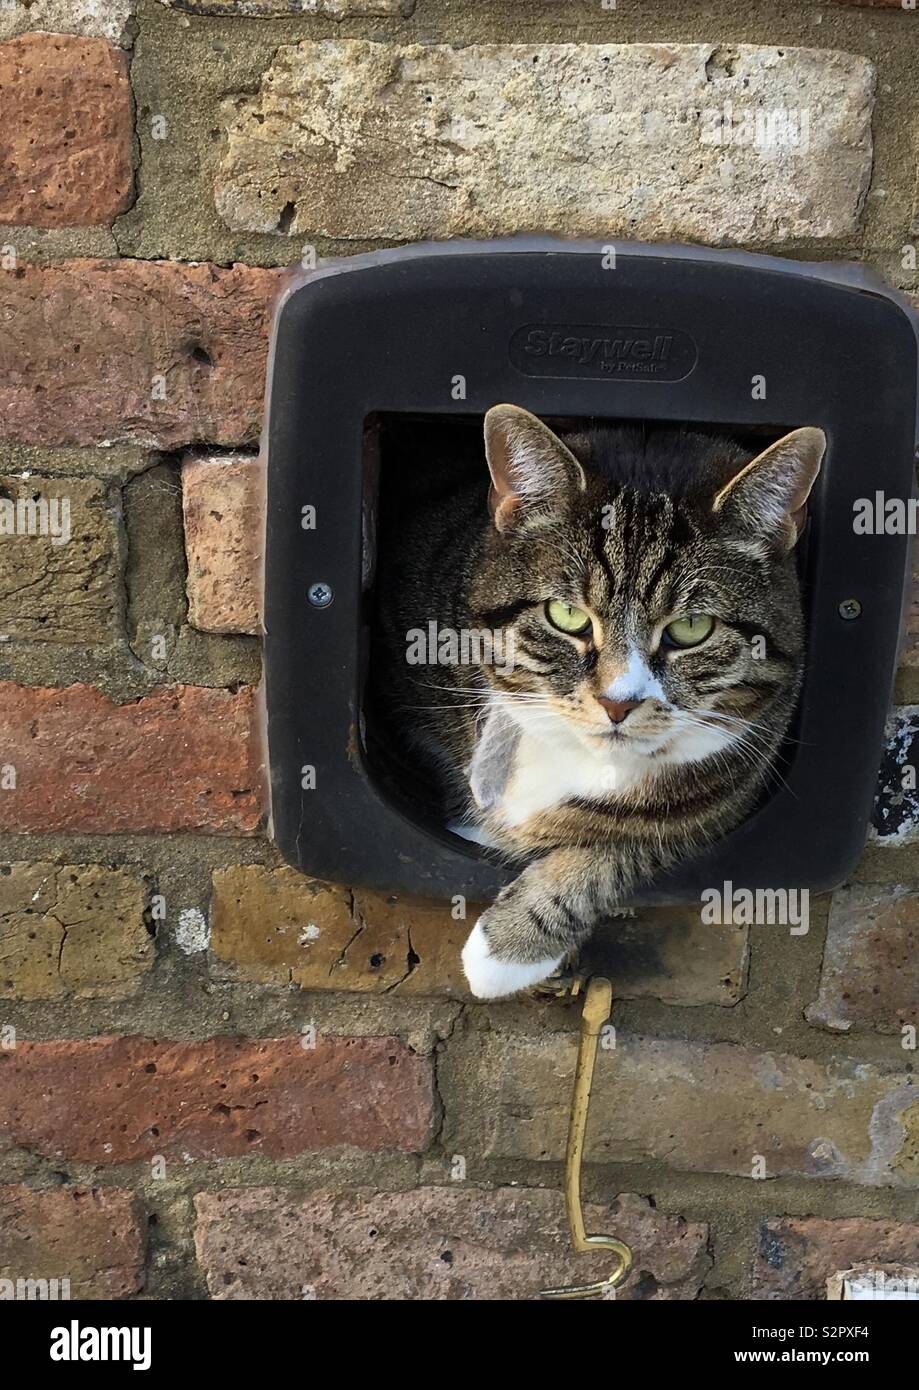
(850, 608)
(320, 595)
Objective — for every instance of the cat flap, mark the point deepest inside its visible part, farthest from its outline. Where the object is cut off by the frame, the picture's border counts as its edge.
(769, 495)
(530, 467)
(360, 330)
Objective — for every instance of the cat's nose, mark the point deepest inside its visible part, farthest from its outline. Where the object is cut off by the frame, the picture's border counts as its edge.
(618, 709)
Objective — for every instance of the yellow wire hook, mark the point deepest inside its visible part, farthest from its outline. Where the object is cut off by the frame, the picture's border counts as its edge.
(598, 1005)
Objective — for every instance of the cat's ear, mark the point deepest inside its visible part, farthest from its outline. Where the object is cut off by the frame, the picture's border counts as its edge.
(768, 497)
(531, 469)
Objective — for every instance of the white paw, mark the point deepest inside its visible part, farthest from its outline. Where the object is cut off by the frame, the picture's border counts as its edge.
(490, 978)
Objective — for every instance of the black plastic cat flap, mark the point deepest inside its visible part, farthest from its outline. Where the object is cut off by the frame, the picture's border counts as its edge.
(392, 331)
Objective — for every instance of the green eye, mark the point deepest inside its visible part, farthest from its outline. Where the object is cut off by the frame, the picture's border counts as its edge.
(567, 618)
(689, 631)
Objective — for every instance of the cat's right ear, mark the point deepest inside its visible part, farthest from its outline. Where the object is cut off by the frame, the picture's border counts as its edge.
(768, 497)
(531, 469)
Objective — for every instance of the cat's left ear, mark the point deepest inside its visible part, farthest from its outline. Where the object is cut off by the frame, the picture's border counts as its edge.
(532, 471)
(768, 497)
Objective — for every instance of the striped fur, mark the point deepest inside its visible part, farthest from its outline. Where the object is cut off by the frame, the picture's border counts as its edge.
(636, 527)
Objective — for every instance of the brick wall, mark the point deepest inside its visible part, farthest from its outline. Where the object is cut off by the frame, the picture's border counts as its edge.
(217, 1078)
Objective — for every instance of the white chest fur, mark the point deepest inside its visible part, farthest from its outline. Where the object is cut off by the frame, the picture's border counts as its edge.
(547, 773)
(549, 765)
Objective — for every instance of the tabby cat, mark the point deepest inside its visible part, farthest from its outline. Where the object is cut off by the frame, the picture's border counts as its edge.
(644, 583)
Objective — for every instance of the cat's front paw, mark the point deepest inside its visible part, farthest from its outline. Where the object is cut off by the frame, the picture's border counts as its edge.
(492, 977)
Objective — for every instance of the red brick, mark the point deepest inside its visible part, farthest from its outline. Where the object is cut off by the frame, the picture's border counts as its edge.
(67, 122)
(433, 1243)
(178, 759)
(89, 346)
(796, 1256)
(94, 1237)
(115, 1100)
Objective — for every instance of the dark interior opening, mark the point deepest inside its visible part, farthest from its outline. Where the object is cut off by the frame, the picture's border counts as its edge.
(413, 457)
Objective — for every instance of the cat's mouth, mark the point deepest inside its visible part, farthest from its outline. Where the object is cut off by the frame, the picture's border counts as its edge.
(653, 731)
(621, 735)
(671, 736)
(639, 741)
(646, 729)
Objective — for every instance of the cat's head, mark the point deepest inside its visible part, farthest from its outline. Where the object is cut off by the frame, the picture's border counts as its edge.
(645, 586)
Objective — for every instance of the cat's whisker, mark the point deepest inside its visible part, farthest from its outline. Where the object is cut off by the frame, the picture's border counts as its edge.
(748, 752)
(757, 724)
(456, 706)
(738, 740)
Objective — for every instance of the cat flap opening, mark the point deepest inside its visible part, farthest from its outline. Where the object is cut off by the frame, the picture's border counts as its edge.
(377, 358)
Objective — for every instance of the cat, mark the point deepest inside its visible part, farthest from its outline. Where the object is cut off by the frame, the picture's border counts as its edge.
(644, 582)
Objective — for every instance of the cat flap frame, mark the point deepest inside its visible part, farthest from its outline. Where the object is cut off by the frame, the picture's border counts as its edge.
(391, 331)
